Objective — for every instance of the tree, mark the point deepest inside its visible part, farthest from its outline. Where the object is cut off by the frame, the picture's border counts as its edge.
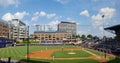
(83, 37)
(104, 38)
(89, 36)
(78, 36)
(96, 38)
(73, 36)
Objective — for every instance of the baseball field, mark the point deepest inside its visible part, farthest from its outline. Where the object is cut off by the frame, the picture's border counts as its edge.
(54, 54)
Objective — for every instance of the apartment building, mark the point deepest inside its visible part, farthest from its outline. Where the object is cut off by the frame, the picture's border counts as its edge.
(3, 29)
(14, 29)
(10, 30)
(6, 29)
(19, 29)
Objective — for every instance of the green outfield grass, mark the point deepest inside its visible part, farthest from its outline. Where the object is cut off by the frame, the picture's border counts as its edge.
(63, 61)
(93, 51)
(64, 54)
(98, 53)
(19, 53)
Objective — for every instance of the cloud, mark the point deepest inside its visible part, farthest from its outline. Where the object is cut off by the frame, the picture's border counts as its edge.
(27, 22)
(82, 32)
(63, 1)
(35, 18)
(8, 17)
(68, 19)
(37, 15)
(53, 24)
(20, 15)
(101, 28)
(108, 12)
(85, 13)
(98, 20)
(51, 15)
(42, 13)
(56, 22)
(57, 17)
(17, 15)
(9, 2)
(71, 20)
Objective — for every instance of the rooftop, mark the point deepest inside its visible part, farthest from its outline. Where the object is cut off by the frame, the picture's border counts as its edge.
(68, 22)
(3, 21)
(17, 21)
(116, 27)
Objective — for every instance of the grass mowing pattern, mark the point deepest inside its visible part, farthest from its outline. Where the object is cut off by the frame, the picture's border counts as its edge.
(64, 54)
(94, 51)
(98, 53)
(115, 60)
(14, 53)
(19, 52)
(63, 61)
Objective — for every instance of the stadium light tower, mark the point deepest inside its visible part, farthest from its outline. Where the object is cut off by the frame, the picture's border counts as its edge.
(104, 39)
(28, 44)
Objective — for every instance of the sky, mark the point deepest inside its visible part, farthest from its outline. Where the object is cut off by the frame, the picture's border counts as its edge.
(86, 13)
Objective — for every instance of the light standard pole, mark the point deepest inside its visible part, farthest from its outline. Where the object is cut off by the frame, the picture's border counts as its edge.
(9, 28)
(28, 44)
(104, 38)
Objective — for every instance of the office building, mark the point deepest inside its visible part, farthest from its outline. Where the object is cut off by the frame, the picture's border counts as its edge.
(69, 27)
(45, 28)
(51, 35)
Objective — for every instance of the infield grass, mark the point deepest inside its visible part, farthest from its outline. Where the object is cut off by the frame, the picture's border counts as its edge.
(64, 54)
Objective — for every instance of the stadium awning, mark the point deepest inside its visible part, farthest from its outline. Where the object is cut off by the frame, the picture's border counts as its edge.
(116, 27)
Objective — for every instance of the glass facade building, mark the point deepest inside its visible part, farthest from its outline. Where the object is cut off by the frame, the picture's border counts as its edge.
(69, 27)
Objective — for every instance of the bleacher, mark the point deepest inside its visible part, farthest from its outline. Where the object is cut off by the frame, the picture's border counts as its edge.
(111, 45)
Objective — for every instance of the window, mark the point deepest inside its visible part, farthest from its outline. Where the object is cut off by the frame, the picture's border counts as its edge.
(49, 36)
